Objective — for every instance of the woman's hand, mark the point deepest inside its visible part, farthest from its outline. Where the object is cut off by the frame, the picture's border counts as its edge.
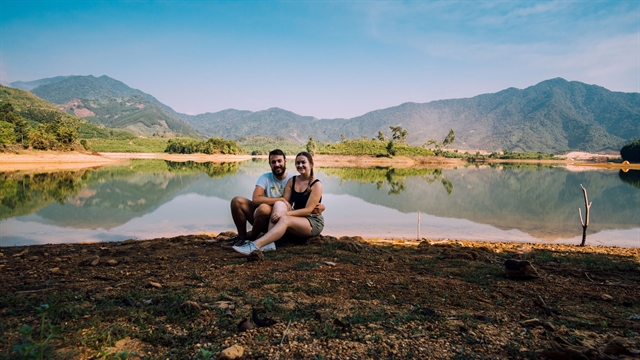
(276, 216)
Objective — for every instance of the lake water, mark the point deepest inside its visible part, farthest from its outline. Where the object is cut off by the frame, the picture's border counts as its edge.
(154, 198)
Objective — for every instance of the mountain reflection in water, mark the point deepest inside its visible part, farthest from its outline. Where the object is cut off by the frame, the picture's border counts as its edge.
(521, 202)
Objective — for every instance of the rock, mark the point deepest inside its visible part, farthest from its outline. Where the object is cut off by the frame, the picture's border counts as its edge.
(323, 315)
(231, 353)
(90, 261)
(516, 269)
(129, 241)
(223, 305)
(256, 255)
(21, 253)
(548, 326)
(329, 263)
(606, 297)
(617, 346)
(55, 270)
(112, 262)
(531, 322)
(1, 254)
(190, 304)
(155, 284)
(245, 325)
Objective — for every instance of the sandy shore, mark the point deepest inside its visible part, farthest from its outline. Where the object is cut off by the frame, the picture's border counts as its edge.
(53, 160)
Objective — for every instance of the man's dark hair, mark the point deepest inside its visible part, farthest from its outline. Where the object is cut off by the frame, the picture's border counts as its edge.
(277, 152)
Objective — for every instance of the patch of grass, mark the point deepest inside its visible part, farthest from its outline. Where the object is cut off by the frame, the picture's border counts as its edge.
(305, 265)
(149, 145)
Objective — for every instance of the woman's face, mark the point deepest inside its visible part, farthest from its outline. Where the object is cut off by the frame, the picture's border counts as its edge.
(302, 165)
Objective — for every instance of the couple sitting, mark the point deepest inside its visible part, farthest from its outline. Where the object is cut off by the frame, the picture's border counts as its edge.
(280, 203)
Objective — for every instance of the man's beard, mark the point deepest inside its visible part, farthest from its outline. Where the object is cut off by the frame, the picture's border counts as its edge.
(279, 171)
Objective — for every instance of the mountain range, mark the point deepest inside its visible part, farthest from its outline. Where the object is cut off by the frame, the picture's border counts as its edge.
(552, 116)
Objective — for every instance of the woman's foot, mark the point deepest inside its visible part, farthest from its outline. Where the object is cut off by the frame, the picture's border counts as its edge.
(250, 246)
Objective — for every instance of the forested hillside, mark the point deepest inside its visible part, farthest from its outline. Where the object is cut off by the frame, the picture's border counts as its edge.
(109, 102)
(553, 116)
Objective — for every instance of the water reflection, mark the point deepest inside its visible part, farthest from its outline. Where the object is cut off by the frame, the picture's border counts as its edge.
(513, 201)
(631, 177)
(107, 197)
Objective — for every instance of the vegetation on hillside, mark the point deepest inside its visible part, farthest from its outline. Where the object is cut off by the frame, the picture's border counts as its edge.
(60, 133)
(553, 116)
(631, 152)
(211, 146)
(109, 102)
(262, 145)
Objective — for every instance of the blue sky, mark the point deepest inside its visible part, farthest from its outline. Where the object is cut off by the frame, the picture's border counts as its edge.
(325, 59)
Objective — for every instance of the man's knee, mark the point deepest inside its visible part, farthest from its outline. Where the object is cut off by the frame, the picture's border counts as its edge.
(262, 211)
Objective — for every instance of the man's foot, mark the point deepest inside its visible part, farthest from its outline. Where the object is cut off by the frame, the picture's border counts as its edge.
(250, 246)
(235, 241)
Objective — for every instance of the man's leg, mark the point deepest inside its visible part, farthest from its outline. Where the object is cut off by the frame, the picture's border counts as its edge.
(242, 211)
(261, 218)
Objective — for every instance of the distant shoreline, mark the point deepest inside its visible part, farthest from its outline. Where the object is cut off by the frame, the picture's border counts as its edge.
(56, 161)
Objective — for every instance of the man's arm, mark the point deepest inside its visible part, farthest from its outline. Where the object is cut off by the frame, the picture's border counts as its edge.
(259, 198)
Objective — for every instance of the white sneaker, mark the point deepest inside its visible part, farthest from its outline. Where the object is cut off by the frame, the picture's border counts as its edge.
(247, 248)
(269, 247)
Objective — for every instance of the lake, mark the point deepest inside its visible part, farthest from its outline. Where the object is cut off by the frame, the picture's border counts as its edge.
(156, 198)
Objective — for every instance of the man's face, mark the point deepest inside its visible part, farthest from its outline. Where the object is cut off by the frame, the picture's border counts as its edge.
(278, 165)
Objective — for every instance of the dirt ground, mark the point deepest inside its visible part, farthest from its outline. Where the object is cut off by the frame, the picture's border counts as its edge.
(349, 298)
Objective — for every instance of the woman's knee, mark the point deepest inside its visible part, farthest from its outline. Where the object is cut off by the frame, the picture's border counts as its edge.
(280, 206)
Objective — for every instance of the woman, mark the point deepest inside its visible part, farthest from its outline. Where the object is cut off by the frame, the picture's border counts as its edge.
(302, 192)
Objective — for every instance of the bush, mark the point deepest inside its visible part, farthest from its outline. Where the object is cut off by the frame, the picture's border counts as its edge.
(631, 152)
(211, 146)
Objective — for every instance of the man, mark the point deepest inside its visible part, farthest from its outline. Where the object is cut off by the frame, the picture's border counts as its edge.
(257, 211)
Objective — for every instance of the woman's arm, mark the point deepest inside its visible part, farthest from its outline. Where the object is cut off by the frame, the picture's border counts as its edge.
(314, 199)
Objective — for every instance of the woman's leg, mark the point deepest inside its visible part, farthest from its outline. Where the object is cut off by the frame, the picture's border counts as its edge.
(278, 207)
(298, 226)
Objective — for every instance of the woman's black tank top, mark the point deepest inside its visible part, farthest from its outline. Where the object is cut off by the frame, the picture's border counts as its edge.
(299, 199)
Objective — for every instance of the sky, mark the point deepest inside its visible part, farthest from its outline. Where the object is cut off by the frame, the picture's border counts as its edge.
(328, 59)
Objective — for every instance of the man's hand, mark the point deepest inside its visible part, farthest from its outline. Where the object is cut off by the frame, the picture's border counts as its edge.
(318, 209)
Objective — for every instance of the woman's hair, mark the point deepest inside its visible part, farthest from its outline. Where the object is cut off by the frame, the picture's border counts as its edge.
(310, 158)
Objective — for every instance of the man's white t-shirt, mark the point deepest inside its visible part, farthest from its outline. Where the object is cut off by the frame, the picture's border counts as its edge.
(273, 187)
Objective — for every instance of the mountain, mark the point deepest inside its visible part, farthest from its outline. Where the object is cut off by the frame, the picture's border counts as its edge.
(553, 116)
(29, 85)
(111, 103)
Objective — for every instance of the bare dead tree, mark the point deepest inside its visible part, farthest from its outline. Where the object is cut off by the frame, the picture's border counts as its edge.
(584, 222)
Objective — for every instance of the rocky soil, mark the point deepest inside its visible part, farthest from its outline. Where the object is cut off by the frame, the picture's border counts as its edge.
(350, 298)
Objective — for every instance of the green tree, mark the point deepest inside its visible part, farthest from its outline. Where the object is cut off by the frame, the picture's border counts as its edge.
(399, 134)
(449, 139)
(381, 136)
(391, 148)
(311, 146)
(631, 152)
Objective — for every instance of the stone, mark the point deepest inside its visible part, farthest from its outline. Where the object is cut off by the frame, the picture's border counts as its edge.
(548, 326)
(517, 269)
(55, 270)
(231, 353)
(191, 305)
(330, 263)
(606, 297)
(90, 261)
(112, 262)
(256, 255)
(531, 322)
(155, 284)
